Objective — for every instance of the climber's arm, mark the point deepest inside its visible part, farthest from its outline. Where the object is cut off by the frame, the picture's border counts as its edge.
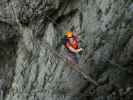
(74, 50)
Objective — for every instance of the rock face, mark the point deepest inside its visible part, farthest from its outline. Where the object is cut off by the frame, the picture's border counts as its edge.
(32, 60)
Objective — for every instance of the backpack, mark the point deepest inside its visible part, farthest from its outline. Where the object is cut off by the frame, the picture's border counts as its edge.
(64, 39)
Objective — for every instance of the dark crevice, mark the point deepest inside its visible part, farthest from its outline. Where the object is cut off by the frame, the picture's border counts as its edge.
(8, 49)
(63, 17)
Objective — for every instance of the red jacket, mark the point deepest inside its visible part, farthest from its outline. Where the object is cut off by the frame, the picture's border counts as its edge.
(74, 44)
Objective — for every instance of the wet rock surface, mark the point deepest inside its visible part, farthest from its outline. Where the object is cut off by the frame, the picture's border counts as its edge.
(32, 63)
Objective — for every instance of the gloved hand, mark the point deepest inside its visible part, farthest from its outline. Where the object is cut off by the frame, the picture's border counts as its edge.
(81, 49)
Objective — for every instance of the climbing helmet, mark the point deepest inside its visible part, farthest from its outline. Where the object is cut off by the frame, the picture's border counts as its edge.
(69, 34)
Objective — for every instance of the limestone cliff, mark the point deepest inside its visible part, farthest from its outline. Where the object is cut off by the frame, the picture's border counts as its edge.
(32, 65)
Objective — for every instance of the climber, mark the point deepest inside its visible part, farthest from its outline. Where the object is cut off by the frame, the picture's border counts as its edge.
(71, 43)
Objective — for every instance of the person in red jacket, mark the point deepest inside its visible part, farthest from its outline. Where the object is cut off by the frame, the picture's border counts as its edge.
(72, 47)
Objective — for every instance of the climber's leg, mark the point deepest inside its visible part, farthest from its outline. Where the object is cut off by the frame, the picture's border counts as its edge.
(77, 57)
(71, 57)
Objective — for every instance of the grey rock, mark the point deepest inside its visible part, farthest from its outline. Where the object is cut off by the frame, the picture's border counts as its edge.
(35, 69)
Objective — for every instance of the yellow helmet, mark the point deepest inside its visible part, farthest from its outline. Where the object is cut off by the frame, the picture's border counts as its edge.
(69, 34)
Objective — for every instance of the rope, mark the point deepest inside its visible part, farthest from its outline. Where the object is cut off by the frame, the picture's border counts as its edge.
(16, 18)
